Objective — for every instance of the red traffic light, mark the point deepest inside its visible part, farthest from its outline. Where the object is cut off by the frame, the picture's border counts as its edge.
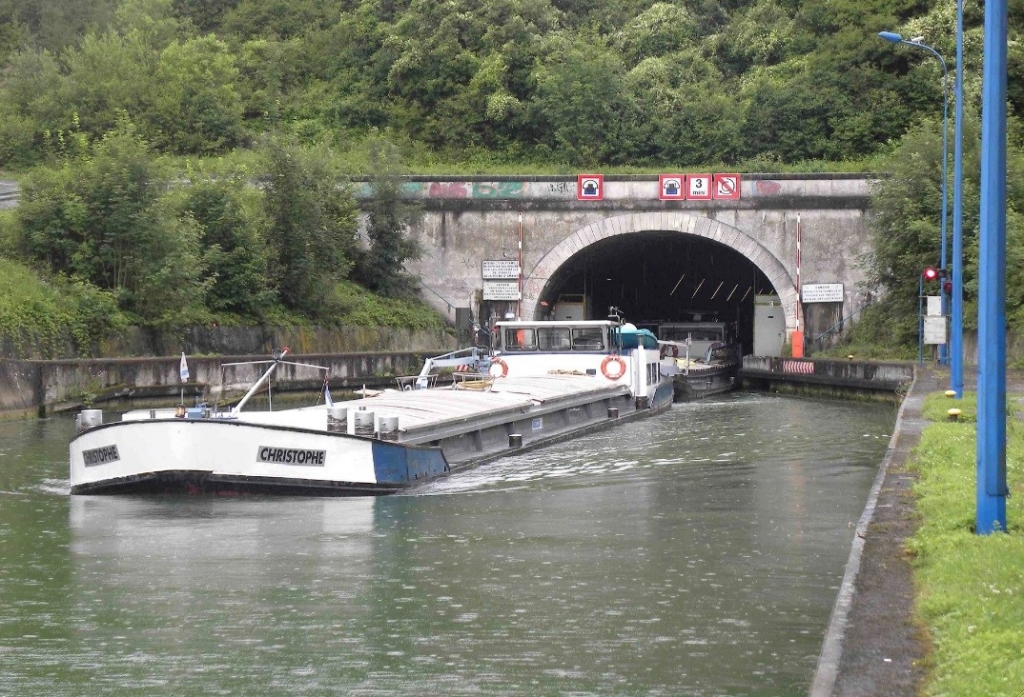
(947, 287)
(930, 274)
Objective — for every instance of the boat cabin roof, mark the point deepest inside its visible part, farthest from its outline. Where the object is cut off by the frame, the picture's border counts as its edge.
(566, 335)
(536, 324)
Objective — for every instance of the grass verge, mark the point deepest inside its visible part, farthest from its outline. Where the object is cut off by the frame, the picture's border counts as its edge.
(970, 588)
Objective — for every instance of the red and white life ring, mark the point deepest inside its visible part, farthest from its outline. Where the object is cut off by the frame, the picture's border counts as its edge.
(608, 360)
(500, 364)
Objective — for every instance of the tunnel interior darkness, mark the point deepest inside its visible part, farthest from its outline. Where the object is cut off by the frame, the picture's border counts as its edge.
(657, 277)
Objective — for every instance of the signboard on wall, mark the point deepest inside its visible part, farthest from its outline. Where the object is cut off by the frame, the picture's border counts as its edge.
(935, 330)
(698, 187)
(500, 268)
(501, 290)
(590, 187)
(671, 187)
(727, 186)
(822, 292)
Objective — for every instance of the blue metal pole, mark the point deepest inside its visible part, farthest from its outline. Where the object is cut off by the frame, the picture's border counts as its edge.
(920, 319)
(991, 464)
(943, 354)
(943, 360)
(956, 344)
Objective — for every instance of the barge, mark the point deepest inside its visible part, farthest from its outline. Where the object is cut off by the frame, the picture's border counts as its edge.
(539, 383)
(701, 357)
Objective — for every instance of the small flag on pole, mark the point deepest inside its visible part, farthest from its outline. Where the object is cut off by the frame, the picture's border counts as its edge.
(327, 393)
(183, 368)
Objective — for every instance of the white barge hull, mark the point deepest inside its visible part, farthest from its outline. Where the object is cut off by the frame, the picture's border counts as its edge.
(218, 454)
(441, 430)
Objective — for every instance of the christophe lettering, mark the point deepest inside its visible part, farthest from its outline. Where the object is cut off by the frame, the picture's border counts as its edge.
(100, 456)
(289, 456)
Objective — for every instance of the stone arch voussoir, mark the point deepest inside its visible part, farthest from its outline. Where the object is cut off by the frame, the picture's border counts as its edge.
(671, 221)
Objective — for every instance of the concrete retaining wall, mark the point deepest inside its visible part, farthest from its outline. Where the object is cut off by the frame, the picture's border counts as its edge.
(35, 387)
(827, 377)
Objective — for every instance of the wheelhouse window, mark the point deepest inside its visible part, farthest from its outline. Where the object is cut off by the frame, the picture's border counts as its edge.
(588, 339)
(519, 339)
(554, 339)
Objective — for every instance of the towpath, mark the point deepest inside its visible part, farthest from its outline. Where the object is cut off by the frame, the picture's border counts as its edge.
(873, 646)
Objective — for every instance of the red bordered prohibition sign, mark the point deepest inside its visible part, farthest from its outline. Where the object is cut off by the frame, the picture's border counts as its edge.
(727, 186)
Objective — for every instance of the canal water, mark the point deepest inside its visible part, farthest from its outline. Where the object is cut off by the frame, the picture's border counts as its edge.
(698, 552)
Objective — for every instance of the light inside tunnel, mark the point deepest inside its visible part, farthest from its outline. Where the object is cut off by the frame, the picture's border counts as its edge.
(655, 277)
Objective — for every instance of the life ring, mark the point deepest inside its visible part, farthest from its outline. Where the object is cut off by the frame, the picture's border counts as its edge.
(613, 359)
(498, 363)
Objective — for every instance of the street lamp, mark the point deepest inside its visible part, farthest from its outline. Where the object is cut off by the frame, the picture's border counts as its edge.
(991, 478)
(917, 43)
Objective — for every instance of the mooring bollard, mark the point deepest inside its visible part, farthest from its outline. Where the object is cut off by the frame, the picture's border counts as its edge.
(613, 412)
(337, 419)
(515, 440)
(954, 414)
(88, 418)
(364, 423)
(388, 428)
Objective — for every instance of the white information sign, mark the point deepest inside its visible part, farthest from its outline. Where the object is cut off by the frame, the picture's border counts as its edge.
(500, 268)
(935, 330)
(934, 308)
(501, 290)
(822, 292)
(698, 186)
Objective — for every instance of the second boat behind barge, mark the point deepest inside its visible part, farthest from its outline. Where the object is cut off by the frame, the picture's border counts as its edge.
(546, 381)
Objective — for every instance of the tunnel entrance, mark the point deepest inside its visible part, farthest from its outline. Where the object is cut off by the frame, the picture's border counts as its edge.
(655, 277)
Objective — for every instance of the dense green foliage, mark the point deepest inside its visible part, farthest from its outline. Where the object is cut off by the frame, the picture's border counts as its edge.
(907, 232)
(267, 90)
(388, 215)
(638, 82)
(51, 318)
(146, 244)
(970, 587)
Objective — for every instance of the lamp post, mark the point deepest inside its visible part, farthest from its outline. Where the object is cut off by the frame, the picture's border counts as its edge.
(956, 342)
(991, 481)
(897, 39)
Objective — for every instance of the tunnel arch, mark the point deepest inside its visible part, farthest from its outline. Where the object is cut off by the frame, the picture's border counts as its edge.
(682, 222)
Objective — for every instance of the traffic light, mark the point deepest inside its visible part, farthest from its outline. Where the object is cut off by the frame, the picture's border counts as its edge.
(930, 274)
(947, 287)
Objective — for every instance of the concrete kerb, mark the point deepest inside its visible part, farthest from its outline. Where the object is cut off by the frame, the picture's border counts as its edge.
(832, 648)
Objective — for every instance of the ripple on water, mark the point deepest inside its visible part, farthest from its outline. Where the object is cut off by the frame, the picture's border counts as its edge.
(696, 552)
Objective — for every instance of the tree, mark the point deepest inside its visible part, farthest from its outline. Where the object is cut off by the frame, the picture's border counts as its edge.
(109, 77)
(232, 232)
(582, 104)
(313, 225)
(197, 108)
(388, 216)
(98, 217)
(906, 230)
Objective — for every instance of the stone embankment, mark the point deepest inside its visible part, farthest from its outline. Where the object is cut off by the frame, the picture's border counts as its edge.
(354, 356)
(38, 387)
